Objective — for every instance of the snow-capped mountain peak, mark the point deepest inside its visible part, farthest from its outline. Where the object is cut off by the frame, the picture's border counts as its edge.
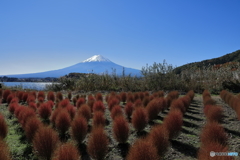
(97, 58)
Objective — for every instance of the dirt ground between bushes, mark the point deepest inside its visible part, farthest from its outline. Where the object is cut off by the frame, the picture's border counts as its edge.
(186, 145)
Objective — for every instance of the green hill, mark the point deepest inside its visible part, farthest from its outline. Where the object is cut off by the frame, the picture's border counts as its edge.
(230, 57)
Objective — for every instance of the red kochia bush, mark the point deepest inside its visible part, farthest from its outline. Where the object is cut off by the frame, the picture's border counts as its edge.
(6, 93)
(79, 128)
(173, 123)
(45, 110)
(41, 94)
(204, 152)
(25, 114)
(138, 103)
(12, 107)
(97, 146)
(66, 151)
(142, 149)
(178, 104)
(64, 103)
(51, 96)
(145, 101)
(85, 111)
(4, 151)
(63, 121)
(25, 96)
(99, 97)
(69, 96)
(3, 127)
(98, 119)
(54, 115)
(45, 142)
(153, 109)
(59, 96)
(139, 118)
(80, 102)
(215, 113)
(213, 132)
(159, 137)
(116, 111)
(71, 110)
(10, 97)
(129, 109)
(123, 96)
(112, 102)
(98, 106)
(120, 129)
(31, 127)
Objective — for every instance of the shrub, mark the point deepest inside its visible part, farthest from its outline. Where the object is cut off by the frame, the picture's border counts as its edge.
(79, 128)
(138, 103)
(215, 113)
(130, 97)
(136, 96)
(97, 146)
(159, 137)
(98, 119)
(12, 107)
(6, 93)
(54, 115)
(45, 111)
(31, 98)
(98, 106)
(204, 152)
(66, 151)
(25, 97)
(213, 132)
(59, 96)
(25, 114)
(3, 127)
(18, 110)
(80, 102)
(51, 96)
(69, 96)
(129, 109)
(123, 96)
(4, 150)
(142, 149)
(91, 101)
(10, 97)
(145, 101)
(1, 93)
(64, 103)
(71, 110)
(178, 104)
(63, 121)
(31, 127)
(45, 142)
(209, 101)
(116, 111)
(99, 97)
(33, 106)
(173, 123)
(139, 118)
(153, 109)
(120, 129)
(85, 111)
(41, 94)
(112, 102)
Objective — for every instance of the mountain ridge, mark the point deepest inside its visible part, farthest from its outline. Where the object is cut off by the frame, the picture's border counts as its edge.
(96, 64)
(230, 57)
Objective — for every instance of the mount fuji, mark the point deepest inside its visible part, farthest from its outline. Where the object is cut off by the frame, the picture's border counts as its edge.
(96, 64)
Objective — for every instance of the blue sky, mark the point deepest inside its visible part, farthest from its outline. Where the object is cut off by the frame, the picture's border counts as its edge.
(45, 35)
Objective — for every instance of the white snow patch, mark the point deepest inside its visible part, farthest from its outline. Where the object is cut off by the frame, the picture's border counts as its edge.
(97, 58)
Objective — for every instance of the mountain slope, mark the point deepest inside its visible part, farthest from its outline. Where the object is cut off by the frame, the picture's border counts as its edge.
(96, 64)
(230, 57)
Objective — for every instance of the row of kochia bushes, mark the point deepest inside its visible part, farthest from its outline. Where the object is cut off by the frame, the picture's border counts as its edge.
(213, 137)
(232, 100)
(48, 125)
